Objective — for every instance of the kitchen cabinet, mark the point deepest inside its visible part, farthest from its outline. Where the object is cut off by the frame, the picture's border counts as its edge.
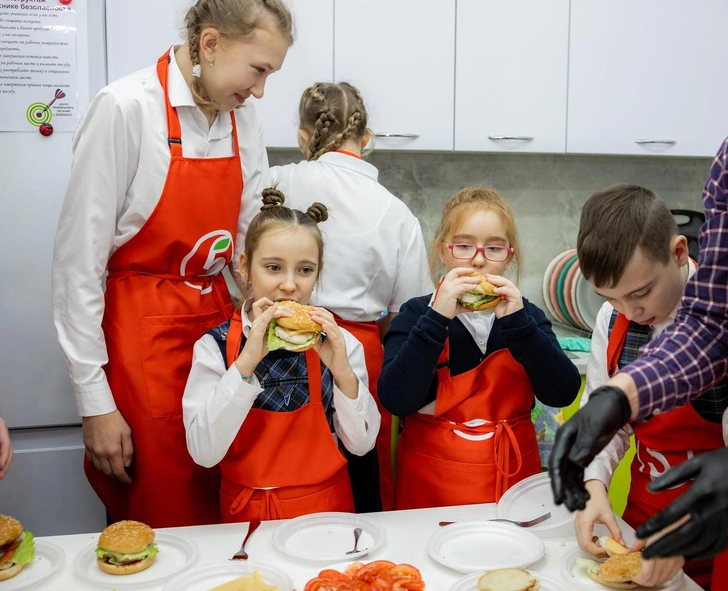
(401, 56)
(647, 77)
(310, 59)
(511, 75)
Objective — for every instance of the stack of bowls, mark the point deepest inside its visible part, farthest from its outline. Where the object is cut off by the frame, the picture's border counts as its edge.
(569, 297)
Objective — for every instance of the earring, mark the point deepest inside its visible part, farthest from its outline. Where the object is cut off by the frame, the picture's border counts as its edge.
(211, 63)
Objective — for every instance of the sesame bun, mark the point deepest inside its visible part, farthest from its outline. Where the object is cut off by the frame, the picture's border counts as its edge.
(508, 579)
(301, 320)
(8, 573)
(486, 289)
(126, 537)
(125, 569)
(10, 528)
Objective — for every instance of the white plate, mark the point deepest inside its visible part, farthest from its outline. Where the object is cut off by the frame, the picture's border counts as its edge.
(327, 537)
(48, 558)
(176, 553)
(577, 578)
(532, 497)
(470, 583)
(588, 301)
(203, 579)
(478, 546)
(430, 579)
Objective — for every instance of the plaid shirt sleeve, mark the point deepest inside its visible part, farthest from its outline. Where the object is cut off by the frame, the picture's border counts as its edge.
(692, 355)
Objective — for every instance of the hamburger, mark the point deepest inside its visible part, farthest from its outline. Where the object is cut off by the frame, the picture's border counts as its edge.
(126, 547)
(294, 333)
(618, 570)
(481, 297)
(508, 579)
(16, 547)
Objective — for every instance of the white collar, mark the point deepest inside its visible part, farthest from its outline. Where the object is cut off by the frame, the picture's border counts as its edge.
(350, 163)
(247, 323)
(180, 94)
(691, 271)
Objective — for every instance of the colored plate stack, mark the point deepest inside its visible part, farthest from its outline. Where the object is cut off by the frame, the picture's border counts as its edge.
(569, 297)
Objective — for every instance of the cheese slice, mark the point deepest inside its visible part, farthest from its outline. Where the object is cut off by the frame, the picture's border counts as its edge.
(252, 582)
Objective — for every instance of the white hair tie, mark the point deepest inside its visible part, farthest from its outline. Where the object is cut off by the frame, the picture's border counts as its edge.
(197, 70)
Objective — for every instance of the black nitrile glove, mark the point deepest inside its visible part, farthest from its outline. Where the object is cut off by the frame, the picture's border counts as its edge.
(706, 501)
(581, 438)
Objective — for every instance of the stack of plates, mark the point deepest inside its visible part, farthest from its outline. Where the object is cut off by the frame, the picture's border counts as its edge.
(569, 297)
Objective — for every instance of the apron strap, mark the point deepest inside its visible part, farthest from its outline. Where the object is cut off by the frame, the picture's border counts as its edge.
(270, 504)
(174, 130)
(505, 439)
(313, 365)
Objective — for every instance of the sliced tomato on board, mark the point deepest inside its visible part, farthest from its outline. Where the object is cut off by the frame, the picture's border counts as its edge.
(408, 585)
(352, 569)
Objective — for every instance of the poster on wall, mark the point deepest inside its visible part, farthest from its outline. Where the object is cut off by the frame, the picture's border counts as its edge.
(38, 66)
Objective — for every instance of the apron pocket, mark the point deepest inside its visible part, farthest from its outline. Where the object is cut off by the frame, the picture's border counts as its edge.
(165, 348)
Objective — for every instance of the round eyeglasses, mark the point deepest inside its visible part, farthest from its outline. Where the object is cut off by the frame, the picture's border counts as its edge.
(466, 251)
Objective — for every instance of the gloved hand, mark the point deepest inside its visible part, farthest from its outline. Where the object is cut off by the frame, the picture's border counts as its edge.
(581, 438)
(706, 501)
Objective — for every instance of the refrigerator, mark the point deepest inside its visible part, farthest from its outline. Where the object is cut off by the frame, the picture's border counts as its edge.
(45, 487)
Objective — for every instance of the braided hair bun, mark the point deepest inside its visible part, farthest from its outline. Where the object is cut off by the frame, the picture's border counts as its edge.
(318, 212)
(272, 198)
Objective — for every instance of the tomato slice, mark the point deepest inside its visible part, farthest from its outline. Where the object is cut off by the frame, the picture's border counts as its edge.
(377, 566)
(352, 569)
(355, 585)
(333, 575)
(408, 585)
(405, 571)
(319, 584)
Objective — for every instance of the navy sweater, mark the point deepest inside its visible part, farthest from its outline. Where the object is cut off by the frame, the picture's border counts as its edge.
(417, 336)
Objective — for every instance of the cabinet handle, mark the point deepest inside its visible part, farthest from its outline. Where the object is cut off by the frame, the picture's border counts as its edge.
(409, 136)
(520, 138)
(658, 142)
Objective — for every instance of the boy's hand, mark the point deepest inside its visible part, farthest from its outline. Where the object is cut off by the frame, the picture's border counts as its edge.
(6, 449)
(598, 510)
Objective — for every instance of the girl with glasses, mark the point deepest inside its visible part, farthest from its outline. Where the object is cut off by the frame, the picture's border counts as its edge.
(467, 381)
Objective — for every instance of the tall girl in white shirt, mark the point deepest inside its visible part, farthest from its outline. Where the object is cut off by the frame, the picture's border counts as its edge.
(368, 225)
(164, 165)
(271, 418)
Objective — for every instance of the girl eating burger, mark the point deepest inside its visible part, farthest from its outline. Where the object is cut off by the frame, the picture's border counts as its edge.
(268, 397)
(464, 365)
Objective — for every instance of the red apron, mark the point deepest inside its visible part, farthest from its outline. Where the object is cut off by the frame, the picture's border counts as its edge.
(367, 333)
(663, 442)
(437, 467)
(164, 291)
(293, 452)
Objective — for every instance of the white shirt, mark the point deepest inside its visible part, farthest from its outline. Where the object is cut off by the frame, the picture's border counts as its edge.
(216, 402)
(603, 465)
(374, 253)
(120, 164)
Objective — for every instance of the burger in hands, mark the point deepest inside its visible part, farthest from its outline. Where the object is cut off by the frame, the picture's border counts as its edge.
(481, 297)
(294, 333)
(126, 547)
(16, 547)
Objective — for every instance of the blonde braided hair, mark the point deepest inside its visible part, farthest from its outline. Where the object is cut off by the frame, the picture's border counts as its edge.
(234, 20)
(331, 114)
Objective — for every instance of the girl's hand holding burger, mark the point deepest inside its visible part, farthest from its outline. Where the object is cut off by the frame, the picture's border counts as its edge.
(453, 287)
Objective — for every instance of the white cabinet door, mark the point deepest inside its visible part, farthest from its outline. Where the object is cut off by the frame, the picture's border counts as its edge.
(310, 59)
(648, 77)
(511, 75)
(401, 56)
(138, 32)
